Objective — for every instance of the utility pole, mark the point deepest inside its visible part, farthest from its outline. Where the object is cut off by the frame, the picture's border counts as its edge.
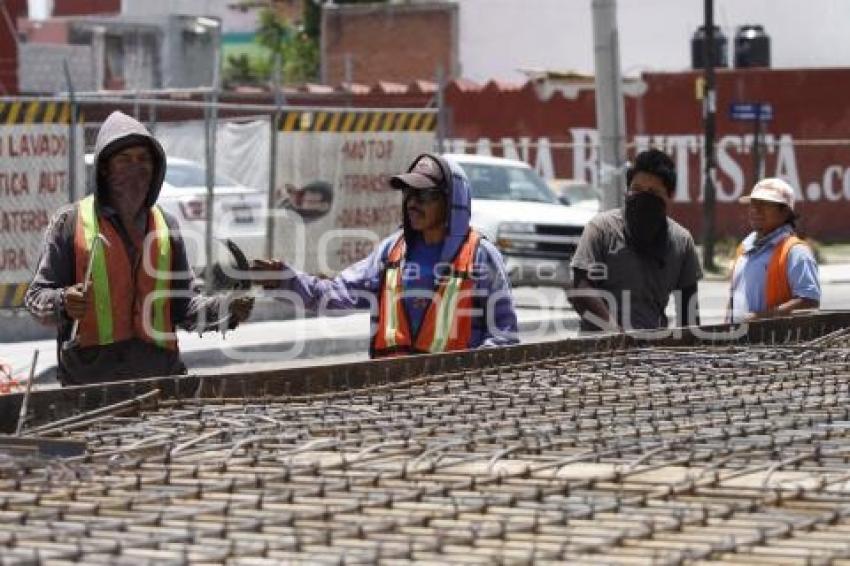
(610, 113)
(211, 122)
(709, 107)
(441, 116)
(272, 188)
(72, 135)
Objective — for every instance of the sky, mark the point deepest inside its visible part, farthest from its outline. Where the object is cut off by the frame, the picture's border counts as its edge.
(38, 9)
(499, 37)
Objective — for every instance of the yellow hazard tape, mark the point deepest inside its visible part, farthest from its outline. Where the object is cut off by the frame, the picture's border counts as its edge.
(12, 295)
(354, 121)
(20, 112)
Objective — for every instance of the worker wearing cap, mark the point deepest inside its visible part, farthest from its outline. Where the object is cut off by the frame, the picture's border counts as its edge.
(774, 272)
(433, 286)
(113, 275)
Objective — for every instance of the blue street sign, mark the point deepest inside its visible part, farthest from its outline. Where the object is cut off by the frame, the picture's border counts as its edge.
(751, 110)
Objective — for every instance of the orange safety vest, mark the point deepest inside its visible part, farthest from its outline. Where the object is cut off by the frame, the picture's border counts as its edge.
(447, 324)
(777, 290)
(118, 288)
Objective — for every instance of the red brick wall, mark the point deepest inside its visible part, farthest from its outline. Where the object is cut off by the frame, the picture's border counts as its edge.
(399, 43)
(84, 7)
(47, 31)
(8, 47)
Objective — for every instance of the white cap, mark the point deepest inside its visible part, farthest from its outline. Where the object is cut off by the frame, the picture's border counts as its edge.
(772, 190)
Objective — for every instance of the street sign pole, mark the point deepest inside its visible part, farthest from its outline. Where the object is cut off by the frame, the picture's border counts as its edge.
(709, 110)
(758, 113)
(758, 158)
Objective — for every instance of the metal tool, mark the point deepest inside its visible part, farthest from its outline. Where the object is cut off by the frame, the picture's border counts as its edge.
(223, 277)
(243, 283)
(22, 414)
(96, 246)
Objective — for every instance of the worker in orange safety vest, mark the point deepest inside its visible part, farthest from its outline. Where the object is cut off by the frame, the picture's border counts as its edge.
(436, 285)
(774, 271)
(113, 275)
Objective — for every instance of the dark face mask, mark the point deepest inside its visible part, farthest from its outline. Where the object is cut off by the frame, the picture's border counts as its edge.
(646, 222)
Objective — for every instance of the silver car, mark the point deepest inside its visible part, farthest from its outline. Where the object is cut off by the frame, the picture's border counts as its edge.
(515, 209)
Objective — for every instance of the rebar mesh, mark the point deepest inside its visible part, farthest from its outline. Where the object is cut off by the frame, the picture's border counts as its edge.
(656, 455)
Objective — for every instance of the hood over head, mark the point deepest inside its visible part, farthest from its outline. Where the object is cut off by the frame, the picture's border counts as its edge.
(455, 184)
(120, 131)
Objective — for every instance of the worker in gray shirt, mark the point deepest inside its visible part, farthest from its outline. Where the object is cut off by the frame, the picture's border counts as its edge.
(630, 260)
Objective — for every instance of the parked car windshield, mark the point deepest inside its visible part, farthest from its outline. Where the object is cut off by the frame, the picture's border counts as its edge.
(581, 193)
(499, 182)
(183, 174)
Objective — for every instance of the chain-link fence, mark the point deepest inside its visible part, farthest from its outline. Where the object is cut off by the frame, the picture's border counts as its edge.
(308, 184)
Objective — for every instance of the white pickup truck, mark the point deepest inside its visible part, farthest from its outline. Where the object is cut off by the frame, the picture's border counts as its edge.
(514, 208)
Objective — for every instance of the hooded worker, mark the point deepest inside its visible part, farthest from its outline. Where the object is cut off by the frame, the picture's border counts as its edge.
(436, 285)
(114, 266)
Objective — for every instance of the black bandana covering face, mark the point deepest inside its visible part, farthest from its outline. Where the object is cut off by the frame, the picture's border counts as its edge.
(646, 224)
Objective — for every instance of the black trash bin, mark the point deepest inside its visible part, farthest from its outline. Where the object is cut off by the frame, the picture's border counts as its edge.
(752, 47)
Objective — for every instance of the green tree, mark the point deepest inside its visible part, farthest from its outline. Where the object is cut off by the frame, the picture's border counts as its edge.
(299, 54)
(242, 69)
(297, 47)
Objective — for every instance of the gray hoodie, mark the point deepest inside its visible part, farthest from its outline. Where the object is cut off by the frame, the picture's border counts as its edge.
(132, 358)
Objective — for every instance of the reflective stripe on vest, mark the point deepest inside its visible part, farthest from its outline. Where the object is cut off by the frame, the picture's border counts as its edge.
(394, 327)
(777, 289)
(447, 323)
(163, 266)
(119, 290)
(100, 275)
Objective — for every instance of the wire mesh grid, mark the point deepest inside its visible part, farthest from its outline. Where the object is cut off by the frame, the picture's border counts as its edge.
(656, 455)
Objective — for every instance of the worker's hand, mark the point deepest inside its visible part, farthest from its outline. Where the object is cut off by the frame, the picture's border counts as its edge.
(267, 273)
(240, 308)
(77, 302)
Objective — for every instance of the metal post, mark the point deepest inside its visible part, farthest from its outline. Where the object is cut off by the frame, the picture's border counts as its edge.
(758, 153)
(270, 201)
(349, 69)
(349, 79)
(441, 117)
(152, 118)
(709, 109)
(211, 116)
(72, 135)
(98, 46)
(610, 113)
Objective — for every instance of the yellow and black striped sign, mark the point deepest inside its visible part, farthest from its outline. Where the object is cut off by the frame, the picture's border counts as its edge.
(21, 112)
(12, 295)
(354, 121)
